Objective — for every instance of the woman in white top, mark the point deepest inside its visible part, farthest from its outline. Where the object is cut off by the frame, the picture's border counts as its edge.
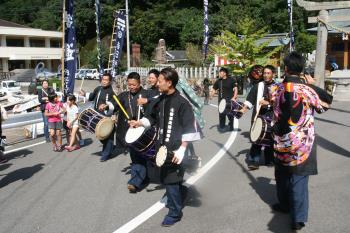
(72, 123)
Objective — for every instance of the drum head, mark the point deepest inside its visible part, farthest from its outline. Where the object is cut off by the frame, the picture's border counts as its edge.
(133, 134)
(256, 129)
(104, 128)
(161, 156)
(222, 106)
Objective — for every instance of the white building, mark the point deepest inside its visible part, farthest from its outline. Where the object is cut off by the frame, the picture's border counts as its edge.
(23, 47)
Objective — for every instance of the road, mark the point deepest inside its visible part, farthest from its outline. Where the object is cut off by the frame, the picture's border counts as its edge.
(46, 191)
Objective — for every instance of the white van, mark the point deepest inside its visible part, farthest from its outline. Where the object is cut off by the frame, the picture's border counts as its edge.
(92, 74)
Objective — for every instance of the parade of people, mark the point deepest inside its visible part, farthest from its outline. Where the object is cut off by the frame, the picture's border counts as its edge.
(162, 139)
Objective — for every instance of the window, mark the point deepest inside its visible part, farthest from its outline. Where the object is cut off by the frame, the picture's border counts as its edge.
(55, 43)
(37, 43)
(15, 42)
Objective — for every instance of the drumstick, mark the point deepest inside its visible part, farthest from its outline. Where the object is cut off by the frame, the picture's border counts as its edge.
(139, 110)
(121, 107)
(238, 103)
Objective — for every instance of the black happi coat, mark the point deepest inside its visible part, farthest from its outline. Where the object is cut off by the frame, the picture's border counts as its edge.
(174, 117)
(252, 98)
(101, 95)
(129, 101)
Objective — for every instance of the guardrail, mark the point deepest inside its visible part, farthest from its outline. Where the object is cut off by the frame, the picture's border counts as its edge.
(32, 118)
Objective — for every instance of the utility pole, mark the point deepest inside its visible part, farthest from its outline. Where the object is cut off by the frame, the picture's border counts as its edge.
(127, 35)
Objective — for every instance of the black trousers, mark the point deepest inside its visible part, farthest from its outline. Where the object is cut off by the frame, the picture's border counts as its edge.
(255, 153)
(222, 121)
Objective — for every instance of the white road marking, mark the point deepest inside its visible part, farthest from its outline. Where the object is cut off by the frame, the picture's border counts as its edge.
(144, 216)
(24, 147)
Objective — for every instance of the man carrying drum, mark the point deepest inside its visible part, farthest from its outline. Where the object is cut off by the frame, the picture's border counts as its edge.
(258, 100)
(104, 103)
(174, 117)
(128, 100)
(226, 88)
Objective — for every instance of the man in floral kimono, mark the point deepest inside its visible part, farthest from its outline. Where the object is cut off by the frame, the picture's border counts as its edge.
(294, 104)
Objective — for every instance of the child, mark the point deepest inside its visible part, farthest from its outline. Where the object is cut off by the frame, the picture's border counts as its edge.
(53, 112)
(72, 123)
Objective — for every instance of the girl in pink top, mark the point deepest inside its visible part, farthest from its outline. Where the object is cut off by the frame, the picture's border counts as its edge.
(53, 112)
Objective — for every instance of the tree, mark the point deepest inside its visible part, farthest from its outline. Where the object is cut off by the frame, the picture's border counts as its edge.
(244, 47)
(194, 54)
(305, 43)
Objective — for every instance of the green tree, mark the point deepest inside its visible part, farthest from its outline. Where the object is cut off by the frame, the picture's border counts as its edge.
(244, 47)
(305, 43)
(194, 54)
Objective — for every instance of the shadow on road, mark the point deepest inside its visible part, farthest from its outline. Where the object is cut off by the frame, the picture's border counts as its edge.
(192, 197)
(266, 191)
(339, 110)
(331, 122)
(5, 166)
(18, 154)
(246, 134)
(20, 174)
(328, 145)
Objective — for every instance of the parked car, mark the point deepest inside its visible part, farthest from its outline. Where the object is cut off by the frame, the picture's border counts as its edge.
(10, 86)
(81, 73)
(92, 74)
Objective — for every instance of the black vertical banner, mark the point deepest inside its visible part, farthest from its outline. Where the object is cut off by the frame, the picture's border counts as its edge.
(290, 17)
(70, 59)
(206, 29)
(98, 36)
(119, 37)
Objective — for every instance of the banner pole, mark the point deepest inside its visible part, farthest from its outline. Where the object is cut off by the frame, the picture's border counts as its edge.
(63, 40)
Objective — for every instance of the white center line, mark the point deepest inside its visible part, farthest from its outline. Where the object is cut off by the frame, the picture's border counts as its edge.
(144, 216)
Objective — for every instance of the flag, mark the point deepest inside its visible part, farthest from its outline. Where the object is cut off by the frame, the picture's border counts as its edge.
(119, 38)
(206, 29)
(98, 37)
(70, 59)
(290, 16)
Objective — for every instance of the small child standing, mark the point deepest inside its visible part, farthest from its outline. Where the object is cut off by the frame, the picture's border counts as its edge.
(53, 112)
(72, 123)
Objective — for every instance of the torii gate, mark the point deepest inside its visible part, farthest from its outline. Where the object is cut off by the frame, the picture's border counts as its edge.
(322, 31)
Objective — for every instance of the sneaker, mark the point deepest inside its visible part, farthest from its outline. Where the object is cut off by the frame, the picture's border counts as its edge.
(297, 225)
(81, 142)
(132, 188)
(168, 221)
(59, 148)
(253, 166)
(48, 140)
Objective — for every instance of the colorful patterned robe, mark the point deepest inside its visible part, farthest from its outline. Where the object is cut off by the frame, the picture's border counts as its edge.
(294, 104)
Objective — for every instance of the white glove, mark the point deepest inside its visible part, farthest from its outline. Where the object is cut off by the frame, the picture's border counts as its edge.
(145, 123)
(179, 154)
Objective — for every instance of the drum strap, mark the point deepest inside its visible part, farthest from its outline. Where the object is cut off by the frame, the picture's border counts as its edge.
(162, 122)
(259, 95)
(221, 90)
(98, 98)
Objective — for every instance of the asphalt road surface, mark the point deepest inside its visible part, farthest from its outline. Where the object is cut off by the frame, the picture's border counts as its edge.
(51, 192)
